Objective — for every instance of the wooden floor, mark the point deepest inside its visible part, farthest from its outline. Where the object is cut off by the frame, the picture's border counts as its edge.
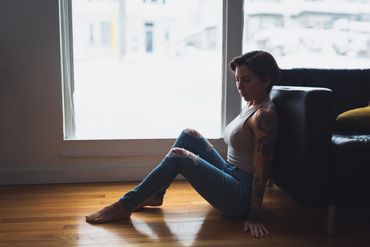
(53, 215)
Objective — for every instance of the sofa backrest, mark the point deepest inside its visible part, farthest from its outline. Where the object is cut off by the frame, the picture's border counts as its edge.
(301, 157)
(351, 87)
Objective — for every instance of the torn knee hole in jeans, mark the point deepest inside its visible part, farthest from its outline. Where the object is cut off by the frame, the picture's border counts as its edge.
(183, 153)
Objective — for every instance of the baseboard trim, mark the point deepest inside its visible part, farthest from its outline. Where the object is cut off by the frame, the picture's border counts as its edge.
(89, 174)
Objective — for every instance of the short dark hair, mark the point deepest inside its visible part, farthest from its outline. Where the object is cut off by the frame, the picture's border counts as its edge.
(261, 63)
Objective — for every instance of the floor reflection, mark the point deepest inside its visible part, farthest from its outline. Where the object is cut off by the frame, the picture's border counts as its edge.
(157, 225)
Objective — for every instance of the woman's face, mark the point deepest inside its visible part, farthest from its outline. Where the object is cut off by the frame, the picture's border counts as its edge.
(250, 86)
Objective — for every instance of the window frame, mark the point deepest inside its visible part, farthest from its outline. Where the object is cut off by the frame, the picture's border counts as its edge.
(232, 33)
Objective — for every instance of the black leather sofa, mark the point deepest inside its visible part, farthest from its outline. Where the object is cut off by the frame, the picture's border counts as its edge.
(315, 163)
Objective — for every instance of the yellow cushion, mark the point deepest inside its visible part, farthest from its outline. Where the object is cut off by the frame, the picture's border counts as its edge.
(355, 120)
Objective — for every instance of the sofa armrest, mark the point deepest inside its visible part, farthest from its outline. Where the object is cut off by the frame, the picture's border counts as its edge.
(301, 165)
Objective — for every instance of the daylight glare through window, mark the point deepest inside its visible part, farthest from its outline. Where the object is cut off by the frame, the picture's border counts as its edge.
(146, 69)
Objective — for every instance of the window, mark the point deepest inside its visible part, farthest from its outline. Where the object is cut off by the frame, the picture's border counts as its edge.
(148, 74)
(310, 33)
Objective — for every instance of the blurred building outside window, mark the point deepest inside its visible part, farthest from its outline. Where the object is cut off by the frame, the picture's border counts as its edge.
(329, 34)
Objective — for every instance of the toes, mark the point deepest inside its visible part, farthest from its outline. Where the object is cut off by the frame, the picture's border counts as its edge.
(88, 220)
(95, 220)
(92, 218)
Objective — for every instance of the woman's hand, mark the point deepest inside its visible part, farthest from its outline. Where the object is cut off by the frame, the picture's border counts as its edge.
(257, 230)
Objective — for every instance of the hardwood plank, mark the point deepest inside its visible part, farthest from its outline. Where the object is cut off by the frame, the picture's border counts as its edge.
(53, 215)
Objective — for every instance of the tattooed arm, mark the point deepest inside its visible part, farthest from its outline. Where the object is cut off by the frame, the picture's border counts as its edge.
(263, 126)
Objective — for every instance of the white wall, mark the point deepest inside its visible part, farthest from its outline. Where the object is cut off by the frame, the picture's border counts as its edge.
(32, 149)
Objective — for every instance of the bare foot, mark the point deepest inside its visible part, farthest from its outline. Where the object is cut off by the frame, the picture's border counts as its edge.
(113, 212)
(151, 201)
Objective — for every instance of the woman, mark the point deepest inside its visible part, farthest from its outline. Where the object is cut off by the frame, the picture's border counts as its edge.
(236, 186)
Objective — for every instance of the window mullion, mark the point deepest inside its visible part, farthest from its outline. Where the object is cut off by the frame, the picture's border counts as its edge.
(65, 13)
(233, 37)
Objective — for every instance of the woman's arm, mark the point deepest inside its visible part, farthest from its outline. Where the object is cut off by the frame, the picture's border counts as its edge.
(263, 125)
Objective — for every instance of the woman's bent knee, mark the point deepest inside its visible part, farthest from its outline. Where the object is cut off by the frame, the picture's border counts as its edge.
(198, 136)
(193, 132)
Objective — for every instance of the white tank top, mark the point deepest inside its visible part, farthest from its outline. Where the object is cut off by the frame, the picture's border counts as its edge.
(240, 146)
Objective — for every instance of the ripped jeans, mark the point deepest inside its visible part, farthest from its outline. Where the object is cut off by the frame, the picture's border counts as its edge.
(224, 186)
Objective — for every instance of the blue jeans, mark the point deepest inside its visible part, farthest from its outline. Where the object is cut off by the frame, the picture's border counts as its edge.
(224, 186)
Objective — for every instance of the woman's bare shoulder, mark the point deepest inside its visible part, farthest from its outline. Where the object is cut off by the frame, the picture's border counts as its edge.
(265, 119)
